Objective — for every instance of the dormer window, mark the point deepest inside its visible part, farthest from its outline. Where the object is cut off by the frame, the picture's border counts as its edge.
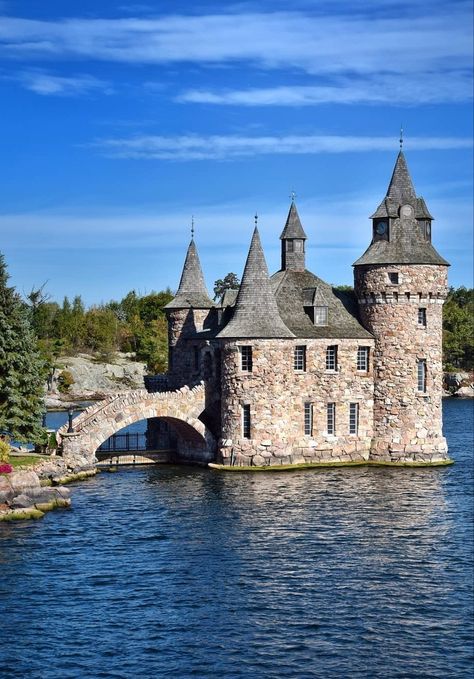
(381, 229)
(290, 245)
(320, 315)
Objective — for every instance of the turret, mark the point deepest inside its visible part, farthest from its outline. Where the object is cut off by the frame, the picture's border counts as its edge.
(401, 284)
(293, 240)
(187, 314)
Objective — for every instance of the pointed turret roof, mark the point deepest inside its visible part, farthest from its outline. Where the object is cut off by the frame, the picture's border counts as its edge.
(192, 290)
(406, 243)
(293, 228)
(256, 312)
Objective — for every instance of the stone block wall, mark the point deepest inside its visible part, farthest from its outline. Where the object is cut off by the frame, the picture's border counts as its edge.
(407, 422)
(276, 394)
(183, 324)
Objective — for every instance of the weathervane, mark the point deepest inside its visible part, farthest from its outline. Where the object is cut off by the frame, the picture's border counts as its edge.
(192, 226)
(292, 196)
(401, 137)
(256, 219)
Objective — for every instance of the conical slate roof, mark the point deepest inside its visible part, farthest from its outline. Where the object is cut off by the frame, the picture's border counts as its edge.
(293, 228)
(192, 290)
(256, 312)
(406, 244)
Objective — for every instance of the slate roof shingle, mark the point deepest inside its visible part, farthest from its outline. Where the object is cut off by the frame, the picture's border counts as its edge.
(192, 292)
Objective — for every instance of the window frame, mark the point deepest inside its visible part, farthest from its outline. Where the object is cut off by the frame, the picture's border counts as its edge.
(363, 352)
(316, 321)
(331, 418)
(308, 418)
(299, 358)
(246, 421)
(354, 409)
(331, 358)
(393, 277)
(246, 358)
(422, 321)
(421, 375)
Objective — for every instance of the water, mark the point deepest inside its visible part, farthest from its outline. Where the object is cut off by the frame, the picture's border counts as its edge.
(183, 572)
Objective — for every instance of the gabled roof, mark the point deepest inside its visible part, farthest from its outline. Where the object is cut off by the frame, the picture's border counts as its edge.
(256, 312)
(192, 290)
(293, 228)
(295, 290)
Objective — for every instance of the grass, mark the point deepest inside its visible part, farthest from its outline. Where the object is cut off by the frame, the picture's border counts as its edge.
(23, 460)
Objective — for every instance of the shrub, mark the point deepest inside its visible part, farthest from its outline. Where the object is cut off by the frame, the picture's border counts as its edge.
(5, 468)
(65, 381)
(4, 451)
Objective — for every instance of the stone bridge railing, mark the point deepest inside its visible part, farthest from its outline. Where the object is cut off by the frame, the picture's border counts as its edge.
(181, 409)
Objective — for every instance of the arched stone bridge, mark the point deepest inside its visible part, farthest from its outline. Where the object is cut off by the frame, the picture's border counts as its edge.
(180, 409)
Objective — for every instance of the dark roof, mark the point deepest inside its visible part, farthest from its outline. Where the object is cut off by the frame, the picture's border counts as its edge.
(293, 228)
(256, 312)
(406, 244)
(192, 290)
(296, 289)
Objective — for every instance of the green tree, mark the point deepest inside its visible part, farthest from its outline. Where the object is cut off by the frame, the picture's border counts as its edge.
(21, 368)
(458, 329)
(229, 282)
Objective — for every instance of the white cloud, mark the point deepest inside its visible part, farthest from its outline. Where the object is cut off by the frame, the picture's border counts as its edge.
(49, 84)
(330, 44)
(196, 147)
(423, 88)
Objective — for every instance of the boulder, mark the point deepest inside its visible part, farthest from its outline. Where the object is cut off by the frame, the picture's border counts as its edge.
(465, 392)
(21, 481)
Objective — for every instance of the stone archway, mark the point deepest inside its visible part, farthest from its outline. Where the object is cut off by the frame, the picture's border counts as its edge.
(181, 409)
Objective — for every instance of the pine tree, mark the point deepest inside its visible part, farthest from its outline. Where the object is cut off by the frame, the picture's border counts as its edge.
(21, 369)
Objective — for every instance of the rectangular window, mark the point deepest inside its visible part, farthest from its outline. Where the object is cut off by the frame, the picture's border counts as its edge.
(331, 358)
(331, 418)
(353, 418)
(320, 315)
(422, 317)
(308, 419)
(246, 421)
(290, 246)
(421, 369)
(246, 359)
(299, 360)
(393, 278)
(363, 358)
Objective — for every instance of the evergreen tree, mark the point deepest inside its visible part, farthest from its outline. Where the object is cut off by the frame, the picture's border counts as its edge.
(21, 369)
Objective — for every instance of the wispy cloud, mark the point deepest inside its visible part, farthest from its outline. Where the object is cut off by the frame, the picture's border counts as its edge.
(218, 147)
(49, 84)
(426, 88)
(316, 44)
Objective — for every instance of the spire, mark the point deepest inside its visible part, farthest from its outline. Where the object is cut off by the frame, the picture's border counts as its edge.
(292, 241)
(256, 313)
(192, 290)
(401, 189)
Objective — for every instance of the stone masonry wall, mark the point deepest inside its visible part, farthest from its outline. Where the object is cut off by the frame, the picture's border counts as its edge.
(407, 422)
(183, 323)
(276, 394)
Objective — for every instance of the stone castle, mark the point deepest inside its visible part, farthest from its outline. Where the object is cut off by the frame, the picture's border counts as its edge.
(297, 371)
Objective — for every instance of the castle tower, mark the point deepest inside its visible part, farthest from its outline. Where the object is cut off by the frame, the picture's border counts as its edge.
(293, 240)
(401, 284)
(187, 314)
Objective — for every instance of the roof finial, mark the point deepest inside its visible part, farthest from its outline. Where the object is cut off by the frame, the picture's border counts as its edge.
(256, 219)
(401, 137)
(192, 226)
(292, 196)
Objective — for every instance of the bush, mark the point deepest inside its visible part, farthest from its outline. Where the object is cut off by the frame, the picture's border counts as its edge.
(65, 381)
(5, 468)
(4, 451)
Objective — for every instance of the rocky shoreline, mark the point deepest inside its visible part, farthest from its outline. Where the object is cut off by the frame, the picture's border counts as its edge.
(30, 492)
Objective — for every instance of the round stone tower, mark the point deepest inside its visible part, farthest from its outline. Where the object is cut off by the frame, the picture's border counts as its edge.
(401, 284)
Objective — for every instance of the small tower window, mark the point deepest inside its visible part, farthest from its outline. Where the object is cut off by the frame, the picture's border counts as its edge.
(331, 358)
(331, 418)
(393, 278)
(308, 419)
(246, 422)
(299, 359)
(320, 315)
(363, 359)
(421, 373)
(353, 418)
(422, 317)
(246, 363)
(290, 245)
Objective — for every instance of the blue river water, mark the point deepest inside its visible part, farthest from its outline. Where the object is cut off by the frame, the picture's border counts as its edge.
(185, 572)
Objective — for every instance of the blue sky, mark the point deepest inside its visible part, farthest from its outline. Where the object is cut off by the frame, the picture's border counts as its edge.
(121, 120)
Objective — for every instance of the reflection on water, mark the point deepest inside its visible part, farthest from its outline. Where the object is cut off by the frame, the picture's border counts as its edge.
(181, 572)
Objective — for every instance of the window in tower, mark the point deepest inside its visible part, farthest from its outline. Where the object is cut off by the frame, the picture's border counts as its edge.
(363, 359)
(353, 418)
(299, 358)
(290, 245)
(422, 317)
(246, 363)
(421, 374)
(331, 418)
(331, 358)
(393, 278)
(246, 422)
(321, 315)
(308, 419)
